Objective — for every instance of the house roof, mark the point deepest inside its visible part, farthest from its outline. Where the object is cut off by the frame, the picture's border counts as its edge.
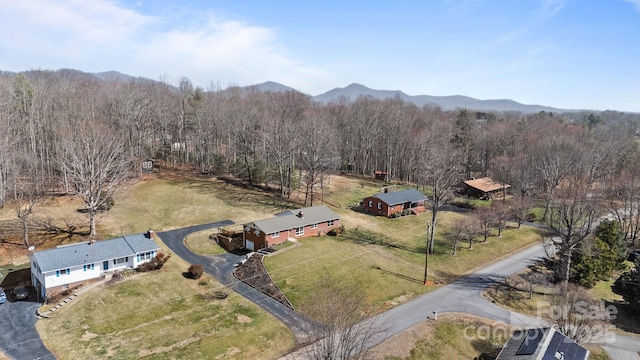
(401, 197)
(486, 184)
(541, 343)
(288, 220)
(71, 255)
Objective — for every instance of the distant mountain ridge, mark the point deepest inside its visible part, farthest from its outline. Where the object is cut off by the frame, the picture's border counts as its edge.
(353, 91)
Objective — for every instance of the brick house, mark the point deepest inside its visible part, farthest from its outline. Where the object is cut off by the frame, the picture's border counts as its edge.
(388, 203)
(292, 224)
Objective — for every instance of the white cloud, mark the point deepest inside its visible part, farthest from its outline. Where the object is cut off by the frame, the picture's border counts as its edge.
(636, 3)
(101, 35)
(552, 7)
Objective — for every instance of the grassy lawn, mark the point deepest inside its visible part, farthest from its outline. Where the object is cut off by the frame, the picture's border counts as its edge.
(455, 337)
(387, 274)
(162, 315)
(165, 203)
(201, 243)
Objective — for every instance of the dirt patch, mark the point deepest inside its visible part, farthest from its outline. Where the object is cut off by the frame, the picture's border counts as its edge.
(88, 336)
(254, 274)
(243, 319)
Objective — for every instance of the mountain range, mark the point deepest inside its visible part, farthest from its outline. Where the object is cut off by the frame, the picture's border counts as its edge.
(353, 91)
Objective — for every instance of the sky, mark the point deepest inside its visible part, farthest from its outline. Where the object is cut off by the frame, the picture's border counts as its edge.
(570, 54)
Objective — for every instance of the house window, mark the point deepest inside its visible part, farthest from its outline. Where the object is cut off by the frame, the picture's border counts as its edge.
(120, 260)
(330, 223)
(379, 206)
(145, 256)
(300, 231)
(63, 272)
(370, 203)
(84, 267)
(314, 226)
(275, 234)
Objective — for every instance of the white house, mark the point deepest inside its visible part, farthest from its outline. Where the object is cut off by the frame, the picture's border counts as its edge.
(66, 266)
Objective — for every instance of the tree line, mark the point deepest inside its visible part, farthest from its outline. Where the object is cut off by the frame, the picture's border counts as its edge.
(70, 132)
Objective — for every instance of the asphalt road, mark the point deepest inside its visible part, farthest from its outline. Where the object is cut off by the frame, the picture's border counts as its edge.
(18, 336)
(221, 268)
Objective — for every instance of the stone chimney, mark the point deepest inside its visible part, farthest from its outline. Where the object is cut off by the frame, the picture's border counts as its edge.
(301, 215)
(150, 234)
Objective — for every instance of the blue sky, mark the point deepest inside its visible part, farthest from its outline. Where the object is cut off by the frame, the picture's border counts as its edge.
(572, 54)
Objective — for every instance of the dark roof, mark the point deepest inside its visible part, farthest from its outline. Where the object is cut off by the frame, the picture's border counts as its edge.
(486, 184)
(71, 255)
(542, 343)
(401, 197)
(290, 219)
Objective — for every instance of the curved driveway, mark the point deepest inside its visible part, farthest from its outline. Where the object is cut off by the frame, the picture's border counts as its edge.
(18, 336)
(221, 268)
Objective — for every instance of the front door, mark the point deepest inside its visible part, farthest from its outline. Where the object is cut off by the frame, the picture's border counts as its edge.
(105, 265)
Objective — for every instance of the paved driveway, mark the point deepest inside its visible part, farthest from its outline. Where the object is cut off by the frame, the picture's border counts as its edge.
(18, 336)
(221, 268)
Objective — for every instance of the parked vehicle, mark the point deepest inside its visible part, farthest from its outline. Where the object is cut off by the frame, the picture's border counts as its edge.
(3, 296)
(20, 293)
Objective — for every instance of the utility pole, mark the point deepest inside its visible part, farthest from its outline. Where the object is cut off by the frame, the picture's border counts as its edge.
(426, 254)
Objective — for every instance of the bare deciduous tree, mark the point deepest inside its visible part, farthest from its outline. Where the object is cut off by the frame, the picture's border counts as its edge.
(341, 330)
(577, 315)
(95, 160)
(28, 195)
(573, 217)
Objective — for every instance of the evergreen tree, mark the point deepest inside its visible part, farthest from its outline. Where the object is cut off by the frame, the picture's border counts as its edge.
(599, 257)
(628, 285)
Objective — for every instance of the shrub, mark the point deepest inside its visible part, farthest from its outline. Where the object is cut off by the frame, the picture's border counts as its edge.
(336, 231)
(195, 271)
(221, 294)
(155, 264)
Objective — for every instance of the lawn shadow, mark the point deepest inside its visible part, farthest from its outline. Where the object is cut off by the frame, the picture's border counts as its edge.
(626, 319)
(401, 276)
(488, 350)
(16, 277)
(365, 237)
(240, 193)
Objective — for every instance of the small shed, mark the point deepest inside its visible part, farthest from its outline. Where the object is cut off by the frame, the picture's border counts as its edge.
(381, 175)
(485, 188)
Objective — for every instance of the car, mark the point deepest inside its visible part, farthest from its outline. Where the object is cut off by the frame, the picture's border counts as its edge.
(3, 296)
(20, 292)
